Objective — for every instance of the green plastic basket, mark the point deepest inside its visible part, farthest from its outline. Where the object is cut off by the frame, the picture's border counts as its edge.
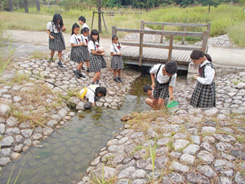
(172, 104)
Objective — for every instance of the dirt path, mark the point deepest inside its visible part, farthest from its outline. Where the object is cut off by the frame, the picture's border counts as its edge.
(23, 42)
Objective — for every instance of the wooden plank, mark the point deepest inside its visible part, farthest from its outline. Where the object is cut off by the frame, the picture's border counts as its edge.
(170, 47)
(183, 38)
(176, 24)
(141, 48)
(157, 32)
(142, 25)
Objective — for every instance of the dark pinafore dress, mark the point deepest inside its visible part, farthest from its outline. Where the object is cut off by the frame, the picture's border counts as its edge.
(204, 96)
(161, 90)
(85, 51)
(96, 62)
(76, 53)
(58, 43)
(117, 61)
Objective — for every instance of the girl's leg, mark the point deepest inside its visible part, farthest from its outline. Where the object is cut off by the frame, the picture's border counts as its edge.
(79, 66)
(115, 76)
(51, 55)
(77, 72)
(60, 57)
(119, 75)
(87, 63)
(96, 77)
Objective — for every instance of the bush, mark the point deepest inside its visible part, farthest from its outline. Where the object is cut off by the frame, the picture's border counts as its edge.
(237, 35)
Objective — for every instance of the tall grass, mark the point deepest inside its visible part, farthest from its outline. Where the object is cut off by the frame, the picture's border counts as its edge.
(225, 18)
(237, 34)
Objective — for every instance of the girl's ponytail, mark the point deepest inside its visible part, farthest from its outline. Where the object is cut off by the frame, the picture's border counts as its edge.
(197, 54)
(208, 57)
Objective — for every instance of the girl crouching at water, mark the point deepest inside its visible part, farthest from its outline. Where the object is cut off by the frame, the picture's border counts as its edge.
(204, 95)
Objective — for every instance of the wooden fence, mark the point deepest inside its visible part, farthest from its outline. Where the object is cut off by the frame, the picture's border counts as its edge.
(204, 35)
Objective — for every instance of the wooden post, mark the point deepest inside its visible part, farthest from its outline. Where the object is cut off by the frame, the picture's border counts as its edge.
(209, 27)
(104, 21)
(183, 38)
(92, 21)
(114, 30)
(162, 34)
(142, 24)
(99, 16)
(205, 41)
(141, 49)
(170, 47)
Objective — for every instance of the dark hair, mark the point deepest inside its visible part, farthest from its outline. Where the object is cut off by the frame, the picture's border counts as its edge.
(171, 67)
(146, 88)
(57, 17)
(94, 32)
(84, 30)
(82, 18)
(114, 36)
(101, 90)
(197, 54)
(75, 25)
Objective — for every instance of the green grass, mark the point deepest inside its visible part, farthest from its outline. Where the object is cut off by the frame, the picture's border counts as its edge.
(237, 34)
(224, 19)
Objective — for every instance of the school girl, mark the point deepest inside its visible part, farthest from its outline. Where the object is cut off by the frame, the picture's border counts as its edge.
(163, 79)
(86, 57)
(56, 39)
(116, 61)
(97, 61)
(204, 95)
(76, 50)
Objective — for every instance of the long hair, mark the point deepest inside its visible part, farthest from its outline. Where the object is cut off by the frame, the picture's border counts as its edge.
(75, 25)
(57, 17)
(197, 54)
(95, 32)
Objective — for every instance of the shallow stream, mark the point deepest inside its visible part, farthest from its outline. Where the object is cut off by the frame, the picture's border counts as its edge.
(66, 154)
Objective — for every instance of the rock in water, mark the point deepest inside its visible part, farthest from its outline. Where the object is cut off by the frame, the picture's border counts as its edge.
(127, 117)
(80, 106)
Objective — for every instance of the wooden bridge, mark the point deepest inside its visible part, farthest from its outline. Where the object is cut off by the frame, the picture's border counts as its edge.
(148, 53)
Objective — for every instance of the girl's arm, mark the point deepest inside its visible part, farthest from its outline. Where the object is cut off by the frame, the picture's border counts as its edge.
(153, 80)
(171, 89)
(209, 76)
(63, 28)
(97, 53)
(76, 45)
(50, 36)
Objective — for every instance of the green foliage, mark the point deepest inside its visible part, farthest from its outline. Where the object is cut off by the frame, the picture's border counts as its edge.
(236, 34)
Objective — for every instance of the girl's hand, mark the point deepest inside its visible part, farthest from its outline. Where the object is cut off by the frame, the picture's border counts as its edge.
(196, 76)
(153, 85)
(119, 53)
(63, 29)
(171, 97)
(51, 37)
(82, 43)
(102, 54)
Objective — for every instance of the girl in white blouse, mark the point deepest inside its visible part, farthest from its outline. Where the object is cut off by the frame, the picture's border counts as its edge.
(204, 95)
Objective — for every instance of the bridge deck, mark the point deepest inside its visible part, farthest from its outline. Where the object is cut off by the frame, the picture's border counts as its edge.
(152, 56)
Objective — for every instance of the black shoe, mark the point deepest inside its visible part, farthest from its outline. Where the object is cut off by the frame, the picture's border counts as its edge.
(50, 60)
(119, 79)
(76, 74)
(97, 82)
(81, 75)
(60, 64)
(83, 68)
(116, 80)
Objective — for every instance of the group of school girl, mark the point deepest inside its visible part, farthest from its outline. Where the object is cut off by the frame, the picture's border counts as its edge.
(86, 47)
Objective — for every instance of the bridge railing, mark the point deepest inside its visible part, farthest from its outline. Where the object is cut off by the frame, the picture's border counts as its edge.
(183, 25)
(204, 35)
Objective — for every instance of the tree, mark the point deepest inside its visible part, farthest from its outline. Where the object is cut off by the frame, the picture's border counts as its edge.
(210, 3)
(26, 6)
(38, 5)
(11, 7)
